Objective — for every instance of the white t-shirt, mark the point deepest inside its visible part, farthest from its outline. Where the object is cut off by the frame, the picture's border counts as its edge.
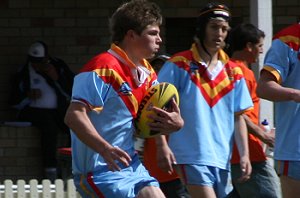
(48, 97)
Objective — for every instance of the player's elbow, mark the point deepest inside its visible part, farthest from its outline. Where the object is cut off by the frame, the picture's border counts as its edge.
(259, 91)
(67, 119)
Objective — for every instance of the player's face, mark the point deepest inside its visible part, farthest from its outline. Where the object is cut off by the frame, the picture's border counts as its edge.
(148, 42)
(257, 49)
(216, 32)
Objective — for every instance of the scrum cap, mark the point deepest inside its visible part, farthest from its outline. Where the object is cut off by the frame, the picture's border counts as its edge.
(215, 11)
(211, 11)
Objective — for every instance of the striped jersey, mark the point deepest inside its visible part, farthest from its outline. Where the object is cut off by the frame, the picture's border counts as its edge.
(208, 102)
(283, 61)
(110, 86)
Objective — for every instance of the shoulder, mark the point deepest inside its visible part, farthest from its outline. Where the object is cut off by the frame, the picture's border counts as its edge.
(181, 59)
(233, 69)
(100, 61)
(292, 30)
(234, 65)
(243, 66)
(181, 56)
(289, 36)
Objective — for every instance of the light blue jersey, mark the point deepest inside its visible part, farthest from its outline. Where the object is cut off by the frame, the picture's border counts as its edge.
(113, 96)
(118, 132)
(208, 103)
(112, 93)
(283, 61)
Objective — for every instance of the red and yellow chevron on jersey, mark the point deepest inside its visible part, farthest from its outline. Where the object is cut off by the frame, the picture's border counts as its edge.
(118, 74)
(290, 36)
(212, 90)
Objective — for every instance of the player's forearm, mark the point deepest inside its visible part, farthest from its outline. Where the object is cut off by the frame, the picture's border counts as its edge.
(253, 128)
(241, 136)
(268, 88)
(275, 92)
(161, 140)
(78, 121)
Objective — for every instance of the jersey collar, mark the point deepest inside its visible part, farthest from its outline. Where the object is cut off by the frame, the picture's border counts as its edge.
(122, 56)
(223, 57)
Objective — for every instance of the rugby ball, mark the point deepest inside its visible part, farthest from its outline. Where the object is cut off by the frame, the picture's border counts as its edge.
(159, 95)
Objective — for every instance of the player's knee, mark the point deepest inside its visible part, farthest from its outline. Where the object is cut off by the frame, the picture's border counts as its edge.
(150, 192)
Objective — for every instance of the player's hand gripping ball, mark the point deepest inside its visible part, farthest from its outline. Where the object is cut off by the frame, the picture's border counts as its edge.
(159, 95)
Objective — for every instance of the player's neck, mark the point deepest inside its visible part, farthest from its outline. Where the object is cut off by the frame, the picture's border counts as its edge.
(130, 52)
(241, 56)
(210, 59)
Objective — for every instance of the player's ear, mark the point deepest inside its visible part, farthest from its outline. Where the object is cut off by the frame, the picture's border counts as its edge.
(249, 46)
(131, 34)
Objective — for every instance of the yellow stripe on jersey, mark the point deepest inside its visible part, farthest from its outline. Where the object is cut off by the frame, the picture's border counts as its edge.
(223, 57)
(84, 188)
(113, 74)
(274, 72)
(290, 39)
(180, 59)
(214, 91)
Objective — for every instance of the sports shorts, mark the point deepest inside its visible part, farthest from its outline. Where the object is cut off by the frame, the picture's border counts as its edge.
(263, 181)
(288, 168)
(218, 179)
(125, 183)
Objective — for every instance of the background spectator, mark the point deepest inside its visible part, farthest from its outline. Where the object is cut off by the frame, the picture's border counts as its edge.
(245, 44)
(41, 93)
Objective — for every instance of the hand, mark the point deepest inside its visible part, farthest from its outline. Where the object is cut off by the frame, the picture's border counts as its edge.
(49, 70)
(269, 138)
(34, 94)
(246, 169)
(166, 121)
(113, 154)
(295, 95)
(165, 158)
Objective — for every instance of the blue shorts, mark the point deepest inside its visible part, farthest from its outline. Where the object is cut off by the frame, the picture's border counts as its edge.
(125, 183)
(288, 168)
(218, 179)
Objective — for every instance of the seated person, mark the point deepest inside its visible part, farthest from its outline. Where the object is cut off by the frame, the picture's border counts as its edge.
(41, 93)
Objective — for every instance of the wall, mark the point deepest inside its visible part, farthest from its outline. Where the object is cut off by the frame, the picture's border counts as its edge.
(20, 153)
(76, 30)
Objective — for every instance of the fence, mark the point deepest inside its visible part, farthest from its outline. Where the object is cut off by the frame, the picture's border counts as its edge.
(36, 190)
(20, 152)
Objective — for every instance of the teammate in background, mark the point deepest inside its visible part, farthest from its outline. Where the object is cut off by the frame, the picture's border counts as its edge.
(170, 183)
(41, 93)
(245, 44)
(105, 99)
(279, 82)
(213, 97)
(158, 61)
